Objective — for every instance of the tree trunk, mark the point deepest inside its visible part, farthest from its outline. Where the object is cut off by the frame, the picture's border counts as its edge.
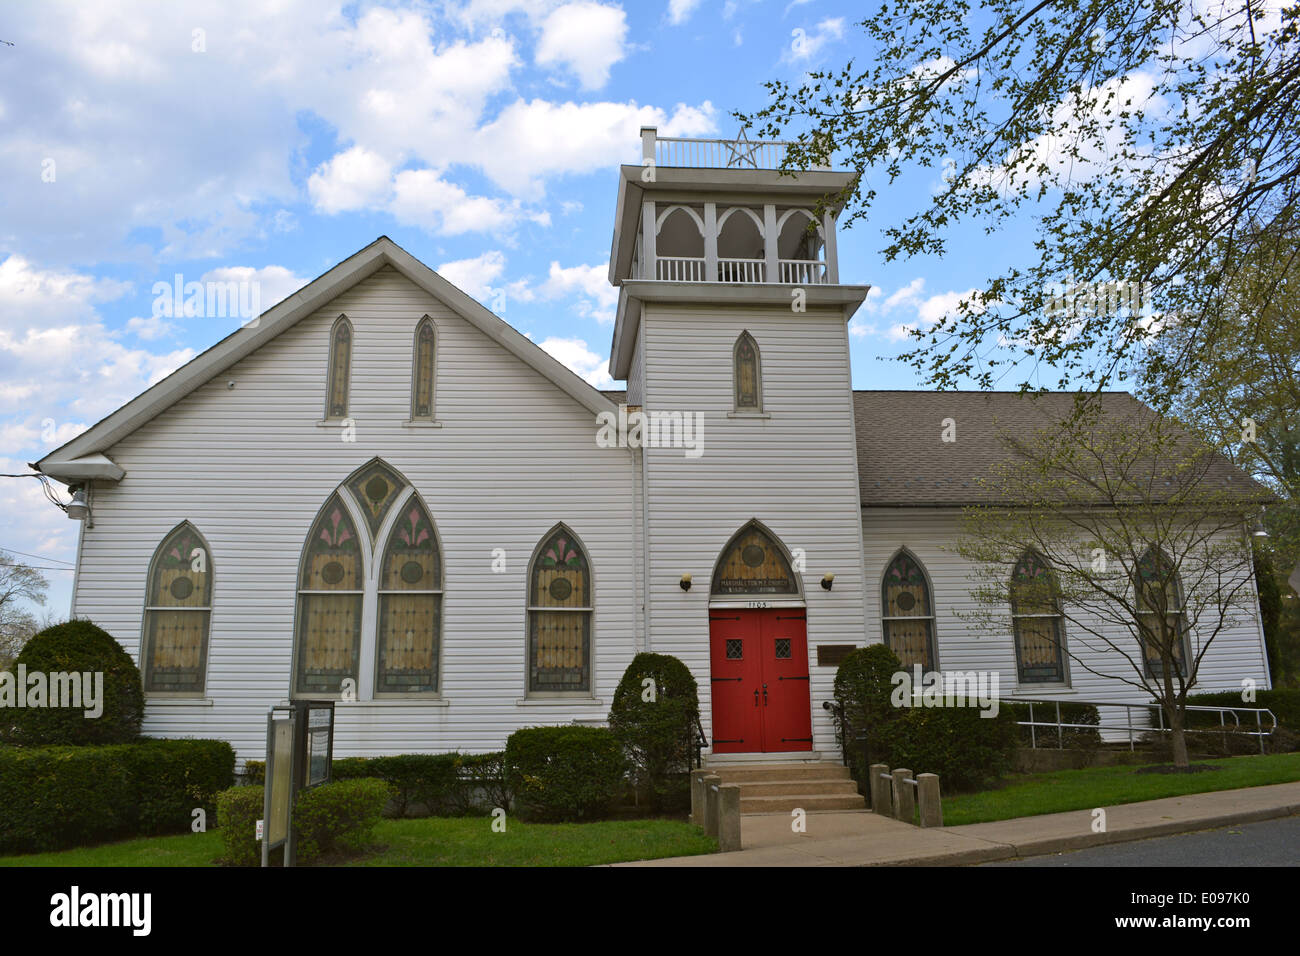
(1178, 738)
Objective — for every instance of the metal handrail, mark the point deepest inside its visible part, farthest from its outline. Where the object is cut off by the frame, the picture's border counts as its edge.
(1061, 725)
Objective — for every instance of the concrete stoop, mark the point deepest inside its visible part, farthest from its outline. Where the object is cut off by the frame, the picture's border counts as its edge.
(782, 787)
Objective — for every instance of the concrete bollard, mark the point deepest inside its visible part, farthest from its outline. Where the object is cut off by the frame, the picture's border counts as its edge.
(697, 796)
(711, 783)
(728, 817)
(904, 799)
(879, 788)
(927, 796)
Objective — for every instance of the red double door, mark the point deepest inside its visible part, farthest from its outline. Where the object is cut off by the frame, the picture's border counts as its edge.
(759, 677)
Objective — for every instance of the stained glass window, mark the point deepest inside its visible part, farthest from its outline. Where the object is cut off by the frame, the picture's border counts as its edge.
(908, 614)
(1037, 620)
(753, 563)
(559, 616)
(340, 369)
(422, 378)
(1160, 618)
(331, 589)
(177, 614)
(410, 606)
(747, 373)
(375, 487)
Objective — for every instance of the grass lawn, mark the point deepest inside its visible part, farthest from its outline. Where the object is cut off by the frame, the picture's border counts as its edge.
(1026, 795)
(434, 841)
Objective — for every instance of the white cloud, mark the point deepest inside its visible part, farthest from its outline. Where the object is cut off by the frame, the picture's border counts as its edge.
(150, 328)
(925, 310)
(588, 285)
(806, 46)
(575, 354)
(274, 283)
(422, 198)
(679, 11)
(587, 38)
(354, 179)
(475, 276)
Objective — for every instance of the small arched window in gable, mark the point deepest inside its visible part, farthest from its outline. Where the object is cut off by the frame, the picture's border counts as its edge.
(340, 369)
(559, 616)
(908, 612)
(177, 614)
(1038, 621)
(422, 377)
(747, 374)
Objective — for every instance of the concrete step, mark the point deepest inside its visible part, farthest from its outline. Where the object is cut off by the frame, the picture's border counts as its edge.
(811, 802)
(780, 788)
(781, 772)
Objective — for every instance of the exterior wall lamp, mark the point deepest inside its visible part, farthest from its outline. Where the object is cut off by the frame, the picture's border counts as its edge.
(77, 508)
(685, 582)
(827, 580)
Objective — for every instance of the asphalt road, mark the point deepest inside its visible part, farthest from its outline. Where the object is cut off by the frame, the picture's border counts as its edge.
(1269, 843)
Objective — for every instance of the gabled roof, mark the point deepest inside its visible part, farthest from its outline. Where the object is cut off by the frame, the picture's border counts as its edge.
(902, 461)
(80, 458)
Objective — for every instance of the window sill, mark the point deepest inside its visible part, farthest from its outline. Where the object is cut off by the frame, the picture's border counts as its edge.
(577, 701)
(396, 702)
(178, 701)
(1028, 690)
(749, 414)
(421, 424)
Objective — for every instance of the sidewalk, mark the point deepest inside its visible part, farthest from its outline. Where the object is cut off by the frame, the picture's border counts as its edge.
(860, 838)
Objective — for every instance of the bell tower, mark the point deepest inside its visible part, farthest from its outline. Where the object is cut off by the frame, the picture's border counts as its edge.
(732, 331)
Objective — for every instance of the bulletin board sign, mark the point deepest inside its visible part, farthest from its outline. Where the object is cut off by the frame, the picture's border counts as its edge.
(316, 741)
(277, 800)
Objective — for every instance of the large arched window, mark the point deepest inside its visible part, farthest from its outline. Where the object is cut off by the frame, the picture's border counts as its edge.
(747, 374)
(410, 606)
(908, 614)
(754, 562)
(178, 611)
(1037, 620)
(1160, 618)
(340, 369)
(422, 376)
(331, 591)
(559, 616)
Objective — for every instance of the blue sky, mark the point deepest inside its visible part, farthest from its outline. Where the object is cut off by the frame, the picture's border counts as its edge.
(221, 140)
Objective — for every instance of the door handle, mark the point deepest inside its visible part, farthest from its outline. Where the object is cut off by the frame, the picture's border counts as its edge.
(764, 695)
(755, 696)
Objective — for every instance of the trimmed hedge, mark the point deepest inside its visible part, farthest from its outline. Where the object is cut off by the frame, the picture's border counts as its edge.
(564, 773)
(238, 810)
(1284, 703)
(79, 646)
(1070, 738)
(423, 784)
(657, 733)
(52, 798)
(966, 750)
(337, 818)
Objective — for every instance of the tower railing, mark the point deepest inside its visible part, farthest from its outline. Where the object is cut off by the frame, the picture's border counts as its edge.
(739, 153)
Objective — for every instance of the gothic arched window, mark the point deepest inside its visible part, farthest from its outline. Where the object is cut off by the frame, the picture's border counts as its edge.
(559, 616)
(331, 589)
(410, 606)
(747, 374)
(178, 610)
(340, 369)
(908, 614)
(1037, 620)
(1160, 618)
(422, 377)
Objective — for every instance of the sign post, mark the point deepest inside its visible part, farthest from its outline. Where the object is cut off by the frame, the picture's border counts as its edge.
(299, 755)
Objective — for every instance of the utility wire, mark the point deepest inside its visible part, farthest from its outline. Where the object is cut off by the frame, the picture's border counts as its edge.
(39, 557)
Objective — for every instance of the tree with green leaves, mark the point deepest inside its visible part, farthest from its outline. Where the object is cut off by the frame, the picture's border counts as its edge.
(1131, 532)
(1155, 146)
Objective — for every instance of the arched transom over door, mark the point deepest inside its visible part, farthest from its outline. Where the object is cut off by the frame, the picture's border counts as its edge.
(758, 649)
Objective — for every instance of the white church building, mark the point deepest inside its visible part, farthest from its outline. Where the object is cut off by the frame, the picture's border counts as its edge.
(380, 492)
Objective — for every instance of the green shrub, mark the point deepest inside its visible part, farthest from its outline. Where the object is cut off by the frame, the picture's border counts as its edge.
(1070, 738)
(423, 782)
(79, 646)
(57, 797)
(254, 772)
(173, 778)
(337, 818)
(483, 783)
(966, 750)
(1284, 703)
(656, 725)
(351, 768)
(863, 683)
(238, 810)
(564, 773)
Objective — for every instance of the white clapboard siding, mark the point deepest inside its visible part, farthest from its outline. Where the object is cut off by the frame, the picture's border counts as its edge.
(967, 643)
(795, 471)
(251, 465)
